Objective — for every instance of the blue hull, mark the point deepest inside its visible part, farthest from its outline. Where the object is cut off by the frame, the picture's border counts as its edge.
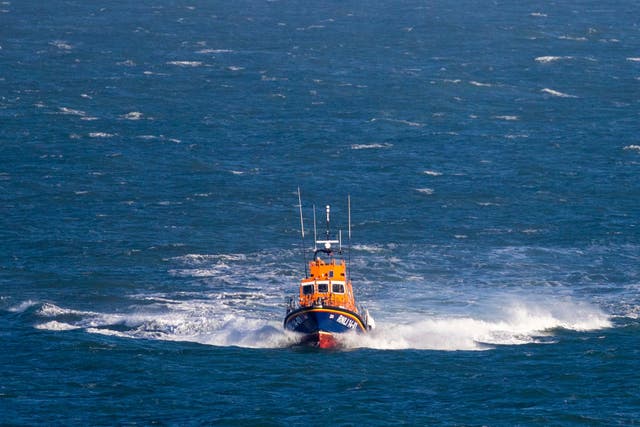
(333, 320)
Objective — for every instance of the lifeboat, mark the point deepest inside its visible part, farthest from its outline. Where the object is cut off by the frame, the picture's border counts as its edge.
(325, 306)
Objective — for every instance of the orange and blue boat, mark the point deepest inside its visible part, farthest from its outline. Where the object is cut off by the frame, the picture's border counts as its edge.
(325, 306)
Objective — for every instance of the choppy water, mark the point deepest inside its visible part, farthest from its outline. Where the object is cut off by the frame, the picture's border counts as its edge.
(150, 155)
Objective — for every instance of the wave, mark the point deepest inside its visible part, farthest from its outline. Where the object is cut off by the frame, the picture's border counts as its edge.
(185, 63)
(479, 84)
(100, 135)
(399, 121)
(61, 44)
(548, 59)
(133, 115)
(211, 322)
(519, 323)
(557, 93)
(632, 147)
(370, 146)
(237, 319)
(427, 191)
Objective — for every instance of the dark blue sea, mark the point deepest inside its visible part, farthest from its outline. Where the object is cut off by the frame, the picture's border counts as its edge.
(150, 156)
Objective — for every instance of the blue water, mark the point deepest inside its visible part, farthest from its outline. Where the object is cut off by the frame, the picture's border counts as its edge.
(150, 154)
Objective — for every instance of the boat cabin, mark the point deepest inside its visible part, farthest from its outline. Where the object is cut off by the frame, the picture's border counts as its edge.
(328, 285)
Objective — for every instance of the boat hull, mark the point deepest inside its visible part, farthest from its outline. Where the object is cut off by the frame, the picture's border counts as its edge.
(320, 325)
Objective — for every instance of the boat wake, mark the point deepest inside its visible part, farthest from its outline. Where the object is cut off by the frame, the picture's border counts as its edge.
(516, 324)
(209, 322)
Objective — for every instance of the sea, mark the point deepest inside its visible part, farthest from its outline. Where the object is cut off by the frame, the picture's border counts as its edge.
(151, 153)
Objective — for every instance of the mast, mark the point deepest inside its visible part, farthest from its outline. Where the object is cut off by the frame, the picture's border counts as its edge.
(304, 253)
(349, 239)
(327, 242)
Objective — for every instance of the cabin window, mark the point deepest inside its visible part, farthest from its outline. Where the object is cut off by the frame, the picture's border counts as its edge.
(323, 287)
(307, 289)
(337, 288)
(330, 273)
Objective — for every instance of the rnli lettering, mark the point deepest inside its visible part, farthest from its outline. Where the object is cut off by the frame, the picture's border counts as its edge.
(349, 323)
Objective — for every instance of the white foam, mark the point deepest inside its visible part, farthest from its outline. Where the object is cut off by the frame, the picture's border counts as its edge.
(548, 59)
(557, 93)
(57, 326)
(133, 115)
(636, 59)
(579, 39)
(71, 111)
(519, 323)
(403, 122)
(632, 147)
(100, 135)
(370, 146)
(185, 63)
(369, 248)
(23, 306)
(507, 118)
(475, 83)
(61, 44)
(206, 51)
(427, 191)
(432, 173)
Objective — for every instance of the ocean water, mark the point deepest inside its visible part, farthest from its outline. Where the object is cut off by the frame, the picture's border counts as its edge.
(150, 154)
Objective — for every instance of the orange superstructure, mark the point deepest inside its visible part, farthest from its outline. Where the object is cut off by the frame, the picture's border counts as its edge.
(327, 284)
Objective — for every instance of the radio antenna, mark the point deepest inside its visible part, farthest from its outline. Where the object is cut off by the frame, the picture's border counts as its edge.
(304, 253)
(349, 233)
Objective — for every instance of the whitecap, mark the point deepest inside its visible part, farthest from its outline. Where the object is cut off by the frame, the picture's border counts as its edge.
(205, 51)
(370, 146)
(369, 248)
(632, 147)
(54, 325)
(557, 93)
(127, 63)
(432, 173)
(579, 39)
(185, 63)
(427, 191)
(637, 59)
(507, 118)
(538, 14)
(404, 122)
(71, 111)
(548, 59)
(61, 44)
(513, 323)
(475, 83)
(235, 68)
(133, 115)
(100, 135)
(23, 306)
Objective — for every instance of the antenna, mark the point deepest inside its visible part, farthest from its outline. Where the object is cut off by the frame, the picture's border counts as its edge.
(304, 256)
(315, 230)
(328, 221)
(349, 241)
